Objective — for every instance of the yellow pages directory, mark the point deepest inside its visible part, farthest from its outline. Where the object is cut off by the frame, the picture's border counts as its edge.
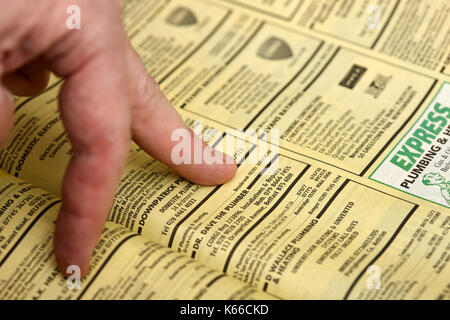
(356, 205)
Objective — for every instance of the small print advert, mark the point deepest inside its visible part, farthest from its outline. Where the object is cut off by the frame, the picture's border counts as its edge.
(420, 163)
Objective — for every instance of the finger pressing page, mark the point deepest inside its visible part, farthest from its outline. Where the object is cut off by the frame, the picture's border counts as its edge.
(154, 122)
(95, 110)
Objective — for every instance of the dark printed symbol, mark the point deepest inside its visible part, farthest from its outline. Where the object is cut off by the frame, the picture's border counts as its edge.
(275, 49)
(182, 16)
(352, 78)
(378, 85)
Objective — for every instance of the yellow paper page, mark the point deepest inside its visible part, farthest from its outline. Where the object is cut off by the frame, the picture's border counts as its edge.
(316, 227)
(124, 265)
(415, 32)
(277, 231)
(330, 101)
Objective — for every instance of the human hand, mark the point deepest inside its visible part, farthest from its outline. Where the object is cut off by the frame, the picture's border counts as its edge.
(107, 99)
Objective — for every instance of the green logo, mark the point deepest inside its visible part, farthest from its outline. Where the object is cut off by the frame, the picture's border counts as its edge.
(436, 179)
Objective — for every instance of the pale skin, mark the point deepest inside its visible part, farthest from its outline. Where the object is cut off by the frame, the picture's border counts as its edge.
(107, 100)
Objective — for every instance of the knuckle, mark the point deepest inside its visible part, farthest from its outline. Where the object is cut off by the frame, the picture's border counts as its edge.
(102, 144)
(106, 147)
